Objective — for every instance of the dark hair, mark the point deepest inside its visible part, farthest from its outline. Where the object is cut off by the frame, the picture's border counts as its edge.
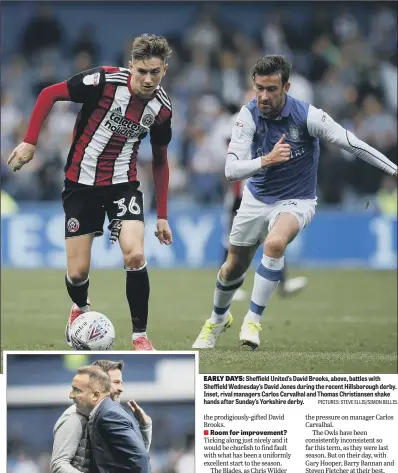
(273, 64)
(147, 46)
(98, 379)
(107, 365)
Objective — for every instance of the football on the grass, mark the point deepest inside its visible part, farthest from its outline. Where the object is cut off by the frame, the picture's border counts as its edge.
(92, 331)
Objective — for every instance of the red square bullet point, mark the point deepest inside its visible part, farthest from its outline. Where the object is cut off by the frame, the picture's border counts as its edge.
(205, 432)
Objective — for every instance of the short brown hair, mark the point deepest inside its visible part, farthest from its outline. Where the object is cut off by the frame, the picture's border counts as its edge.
(147, 46)
(108, 365)
(273, 64)
(98, 379)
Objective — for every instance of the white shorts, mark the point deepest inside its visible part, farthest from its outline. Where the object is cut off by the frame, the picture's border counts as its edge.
(255, 218)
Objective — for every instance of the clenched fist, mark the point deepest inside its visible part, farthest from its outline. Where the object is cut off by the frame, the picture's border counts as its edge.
(21, 155)
(278, 155)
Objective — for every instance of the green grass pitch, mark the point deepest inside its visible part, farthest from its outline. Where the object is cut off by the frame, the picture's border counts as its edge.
(344, 322)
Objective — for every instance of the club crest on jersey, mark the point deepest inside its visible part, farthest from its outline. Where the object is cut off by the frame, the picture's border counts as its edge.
(294, 132)
(147, 120)
(92, 79)
(73, 225)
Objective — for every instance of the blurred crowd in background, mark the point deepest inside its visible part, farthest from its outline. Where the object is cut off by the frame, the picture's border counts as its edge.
(168, 454)
(344, 61)
(176, 455)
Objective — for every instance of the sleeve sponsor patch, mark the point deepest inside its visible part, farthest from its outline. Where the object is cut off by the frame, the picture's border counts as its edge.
(92, 79)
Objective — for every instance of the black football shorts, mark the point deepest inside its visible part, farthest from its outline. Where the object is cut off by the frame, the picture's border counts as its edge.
(85, 208)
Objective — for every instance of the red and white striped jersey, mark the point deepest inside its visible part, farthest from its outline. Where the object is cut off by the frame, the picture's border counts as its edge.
(110, 126)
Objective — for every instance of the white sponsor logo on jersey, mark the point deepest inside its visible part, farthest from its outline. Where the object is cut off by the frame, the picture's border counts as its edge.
(92, 79)
(117, 123)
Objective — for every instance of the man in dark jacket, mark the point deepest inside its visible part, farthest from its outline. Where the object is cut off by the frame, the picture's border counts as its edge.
(116, 440)
(72, 447)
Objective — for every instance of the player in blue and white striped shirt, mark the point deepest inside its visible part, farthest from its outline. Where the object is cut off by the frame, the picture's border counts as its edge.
(275, 143)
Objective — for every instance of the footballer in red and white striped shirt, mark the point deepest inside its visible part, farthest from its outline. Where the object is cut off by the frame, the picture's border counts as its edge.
(119, 108)
(111, 125)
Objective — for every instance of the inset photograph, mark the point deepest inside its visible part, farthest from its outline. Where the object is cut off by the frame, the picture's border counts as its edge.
(97, 413)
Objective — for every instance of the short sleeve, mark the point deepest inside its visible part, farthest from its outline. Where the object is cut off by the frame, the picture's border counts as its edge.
(87, 86)
(161, 134)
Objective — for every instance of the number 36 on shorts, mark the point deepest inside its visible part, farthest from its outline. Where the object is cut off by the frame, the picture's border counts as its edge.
(133, 207)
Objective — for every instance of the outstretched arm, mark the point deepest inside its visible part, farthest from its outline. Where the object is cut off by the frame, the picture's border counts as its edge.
(82, 87)
(24, 152)
(44, 104)
(321, 125)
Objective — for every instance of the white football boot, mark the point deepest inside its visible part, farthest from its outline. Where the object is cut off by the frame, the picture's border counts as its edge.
(211, 331)
(249, 334)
